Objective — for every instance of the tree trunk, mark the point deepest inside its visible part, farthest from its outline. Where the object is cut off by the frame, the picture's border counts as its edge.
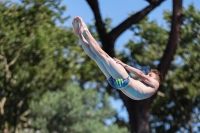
(139, 111)
(108, 39)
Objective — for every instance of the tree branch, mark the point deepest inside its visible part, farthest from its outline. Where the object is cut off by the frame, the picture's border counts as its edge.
(135, 18)
(1, 57)
(99, 23)
(16, 57)
(152, 1)
(177, 20)
(7, 65)
(2, 103)
(108, 39)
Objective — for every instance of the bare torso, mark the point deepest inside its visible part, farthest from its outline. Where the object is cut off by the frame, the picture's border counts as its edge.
(138, 90)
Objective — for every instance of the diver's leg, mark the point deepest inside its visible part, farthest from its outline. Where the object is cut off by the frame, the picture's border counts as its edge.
(87, 49)
(113, 68)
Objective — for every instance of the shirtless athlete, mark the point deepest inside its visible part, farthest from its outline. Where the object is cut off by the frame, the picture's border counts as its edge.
(114, 69)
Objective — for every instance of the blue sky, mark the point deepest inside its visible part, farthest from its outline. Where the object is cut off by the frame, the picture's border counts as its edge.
(118, 10)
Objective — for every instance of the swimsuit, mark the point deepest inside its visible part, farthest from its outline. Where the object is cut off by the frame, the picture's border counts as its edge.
(130, 92)
(118, 83)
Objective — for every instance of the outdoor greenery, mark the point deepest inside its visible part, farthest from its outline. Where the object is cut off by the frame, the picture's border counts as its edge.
(48, 83)
(177, 107)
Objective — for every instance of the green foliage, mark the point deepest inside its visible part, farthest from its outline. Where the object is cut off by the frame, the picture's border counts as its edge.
(176, 107)
(38, 60)
(34, 58)
(183, 79)
(72, 110)
(148, 45)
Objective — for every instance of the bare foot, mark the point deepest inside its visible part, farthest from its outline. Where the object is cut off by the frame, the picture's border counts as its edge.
(83, 26)
(75, 25)
(79, 26)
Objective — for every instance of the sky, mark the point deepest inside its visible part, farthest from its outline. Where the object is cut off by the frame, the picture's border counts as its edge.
(118, 10)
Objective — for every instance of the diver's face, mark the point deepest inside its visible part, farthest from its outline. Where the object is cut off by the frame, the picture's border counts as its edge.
(152, 75)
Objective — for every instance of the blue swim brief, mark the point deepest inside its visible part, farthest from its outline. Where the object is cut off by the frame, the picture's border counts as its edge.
(118, 83)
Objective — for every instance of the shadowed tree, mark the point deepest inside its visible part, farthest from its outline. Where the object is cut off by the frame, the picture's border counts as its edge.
(31, 58)
(38, 62)
(139, 111)
(38, 57)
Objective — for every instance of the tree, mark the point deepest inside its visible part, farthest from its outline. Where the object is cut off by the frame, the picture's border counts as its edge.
(38, 60)
(175, 107)
(181, 100)
(139, 111)
(37, 57)
(31, 54)
(72, 110)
